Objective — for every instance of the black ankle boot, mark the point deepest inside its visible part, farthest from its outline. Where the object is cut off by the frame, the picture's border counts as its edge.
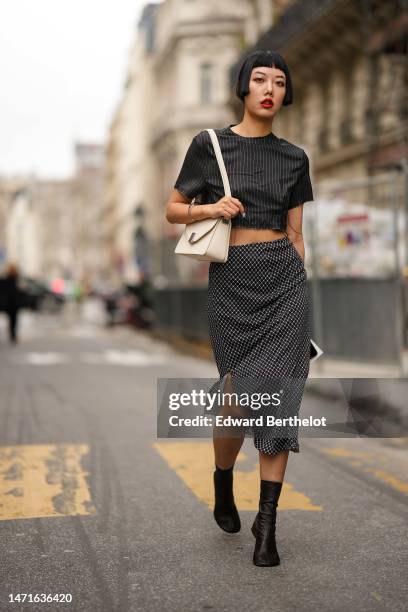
(225, 511)
(265, 553)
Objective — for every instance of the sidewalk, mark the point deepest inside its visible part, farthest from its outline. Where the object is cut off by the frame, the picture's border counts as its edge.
(388, 386)
(325, 367)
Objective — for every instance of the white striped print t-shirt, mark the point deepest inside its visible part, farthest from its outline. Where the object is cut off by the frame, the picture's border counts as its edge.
(269, 175)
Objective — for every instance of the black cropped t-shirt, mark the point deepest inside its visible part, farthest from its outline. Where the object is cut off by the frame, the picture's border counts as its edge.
(269, 175)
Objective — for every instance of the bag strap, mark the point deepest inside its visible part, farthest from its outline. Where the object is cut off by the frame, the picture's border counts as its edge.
(220, 161)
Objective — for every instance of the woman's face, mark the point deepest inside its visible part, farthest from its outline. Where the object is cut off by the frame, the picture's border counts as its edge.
(265, 84)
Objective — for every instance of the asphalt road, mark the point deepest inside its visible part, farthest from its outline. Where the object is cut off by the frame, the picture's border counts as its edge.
(93, 505)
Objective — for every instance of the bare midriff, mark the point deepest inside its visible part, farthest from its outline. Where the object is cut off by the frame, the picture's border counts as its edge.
(246, 235)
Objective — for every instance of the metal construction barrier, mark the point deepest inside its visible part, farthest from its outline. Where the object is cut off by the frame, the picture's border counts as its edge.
(356, 245)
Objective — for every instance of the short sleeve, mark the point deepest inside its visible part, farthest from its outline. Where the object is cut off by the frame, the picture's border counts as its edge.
(191, 180)
(302, 191)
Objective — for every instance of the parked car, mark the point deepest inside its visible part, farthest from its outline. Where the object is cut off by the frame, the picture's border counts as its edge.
(131, 304)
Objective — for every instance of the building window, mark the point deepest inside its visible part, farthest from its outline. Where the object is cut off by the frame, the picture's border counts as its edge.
(206, 83)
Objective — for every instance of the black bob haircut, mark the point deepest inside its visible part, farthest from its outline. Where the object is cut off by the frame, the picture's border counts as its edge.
(256, 59)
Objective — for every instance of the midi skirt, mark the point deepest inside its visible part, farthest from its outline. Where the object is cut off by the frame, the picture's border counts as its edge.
(259, 321)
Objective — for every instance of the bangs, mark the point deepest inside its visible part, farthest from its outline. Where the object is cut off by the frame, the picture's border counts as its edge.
(266, 58)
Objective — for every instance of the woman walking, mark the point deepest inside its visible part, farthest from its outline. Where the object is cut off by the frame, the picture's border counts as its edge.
(257, 302)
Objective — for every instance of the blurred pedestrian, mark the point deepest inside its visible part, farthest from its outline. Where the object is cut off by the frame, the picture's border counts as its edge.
(12, 299)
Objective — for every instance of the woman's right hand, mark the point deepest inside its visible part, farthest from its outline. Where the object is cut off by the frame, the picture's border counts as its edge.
(227, 207)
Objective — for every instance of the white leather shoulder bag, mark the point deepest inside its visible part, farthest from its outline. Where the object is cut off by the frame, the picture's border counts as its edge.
(208, 239)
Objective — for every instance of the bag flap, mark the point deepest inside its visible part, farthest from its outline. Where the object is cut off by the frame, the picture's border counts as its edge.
(198, 229)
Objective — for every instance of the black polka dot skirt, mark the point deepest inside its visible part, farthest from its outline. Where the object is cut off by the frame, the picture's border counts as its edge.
(259, 321)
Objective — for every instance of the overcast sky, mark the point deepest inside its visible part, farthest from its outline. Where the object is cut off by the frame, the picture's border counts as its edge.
(62, 69)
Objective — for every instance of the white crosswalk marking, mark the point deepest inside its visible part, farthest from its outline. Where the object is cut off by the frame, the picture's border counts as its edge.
(46, 358)
(110, 356)
(132, 357)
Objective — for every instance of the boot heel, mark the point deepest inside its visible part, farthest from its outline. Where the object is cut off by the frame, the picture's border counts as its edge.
(263, 528)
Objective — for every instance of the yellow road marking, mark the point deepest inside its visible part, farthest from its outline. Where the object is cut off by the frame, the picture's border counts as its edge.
(401, 486)
(193, 462)
(40, 480)
(362, 459)
(343, 452)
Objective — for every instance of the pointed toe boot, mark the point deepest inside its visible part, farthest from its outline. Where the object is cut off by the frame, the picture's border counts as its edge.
(225, 510)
